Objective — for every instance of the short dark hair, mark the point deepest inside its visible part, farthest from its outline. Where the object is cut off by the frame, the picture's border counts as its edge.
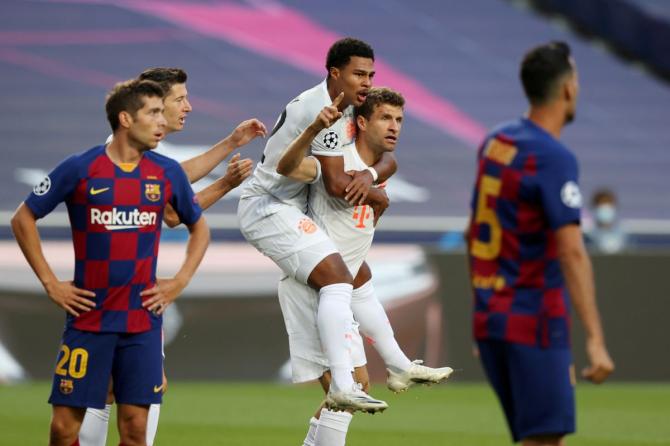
(377, 96)
(343, 50)
(542, 68)
(166, 77)
(129, 96)
(604, 194)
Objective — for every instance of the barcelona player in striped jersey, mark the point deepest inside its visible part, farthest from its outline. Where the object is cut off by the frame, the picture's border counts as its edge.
(115, 196)
(527, 256)
(176, 109)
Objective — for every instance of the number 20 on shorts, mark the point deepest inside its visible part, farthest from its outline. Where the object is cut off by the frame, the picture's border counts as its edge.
(73, 363)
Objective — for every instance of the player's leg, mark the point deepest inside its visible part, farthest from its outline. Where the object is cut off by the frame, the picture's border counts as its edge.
(94, 429)
(543, 390)
(374, 323)
(138, 383)
(132, 424)
(81, 378)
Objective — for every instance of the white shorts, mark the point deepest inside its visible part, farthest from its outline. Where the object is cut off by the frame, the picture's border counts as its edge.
(299, 305)
(286, 235)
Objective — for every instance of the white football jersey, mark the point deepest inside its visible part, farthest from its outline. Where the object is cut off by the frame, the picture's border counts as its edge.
(351, 228)
(296, 117)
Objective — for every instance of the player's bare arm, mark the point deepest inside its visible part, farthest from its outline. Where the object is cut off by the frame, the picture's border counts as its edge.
(294, 162)
(358, 187)
(238, 170)
(578, 273)
(167, 290)
(201, 165)
(63, 293)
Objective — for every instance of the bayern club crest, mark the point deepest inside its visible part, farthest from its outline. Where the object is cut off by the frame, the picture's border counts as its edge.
(152, 191)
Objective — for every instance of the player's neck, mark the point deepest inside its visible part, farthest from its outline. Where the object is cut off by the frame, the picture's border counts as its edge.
(334, 91)
(548, 118)
(367, 154)
(121, 151)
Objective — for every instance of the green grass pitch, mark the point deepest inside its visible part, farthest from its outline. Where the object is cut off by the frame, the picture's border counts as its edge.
(251, 414)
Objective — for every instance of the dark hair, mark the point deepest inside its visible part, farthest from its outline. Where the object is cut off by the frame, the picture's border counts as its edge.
(378, 96)
(129, 96)
(344, 49)
(166, 77)
(542, 68)
(601, 195)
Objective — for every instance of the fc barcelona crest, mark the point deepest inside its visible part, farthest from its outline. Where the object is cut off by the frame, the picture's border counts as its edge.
(66, 386)
(152, 191)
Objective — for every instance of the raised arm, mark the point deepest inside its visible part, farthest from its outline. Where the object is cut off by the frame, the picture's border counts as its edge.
(578, 273)
(294, 162)
(199, 166)
(238, 170)
(64, 294)
(167, 290)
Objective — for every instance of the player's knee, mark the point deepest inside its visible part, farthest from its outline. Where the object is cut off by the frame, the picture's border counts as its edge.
(543, 440)
(329, 271)
(133, 430)
(62, 432)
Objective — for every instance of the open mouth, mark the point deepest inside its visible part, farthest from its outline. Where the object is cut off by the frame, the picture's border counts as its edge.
(361, 95)
(391, 139)
(182, 120)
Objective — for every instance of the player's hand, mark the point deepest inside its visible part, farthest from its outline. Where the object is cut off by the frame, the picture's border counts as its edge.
(164, 386)
(601, 362)
(328, 115)
(358, 188)
(70, 298)
(162, 294)
(246, 131)
(379, 202)
(238, 170)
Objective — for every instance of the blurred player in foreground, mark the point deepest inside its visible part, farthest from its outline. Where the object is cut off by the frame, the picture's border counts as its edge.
(525, 249)
(116, 195)
(177, 107)
(351, 227)
(272, 207)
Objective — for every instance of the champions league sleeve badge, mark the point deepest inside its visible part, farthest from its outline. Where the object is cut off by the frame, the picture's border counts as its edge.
(43, 187)
(330, 140)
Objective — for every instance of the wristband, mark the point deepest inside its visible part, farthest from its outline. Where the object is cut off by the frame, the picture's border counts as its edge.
(373, 172)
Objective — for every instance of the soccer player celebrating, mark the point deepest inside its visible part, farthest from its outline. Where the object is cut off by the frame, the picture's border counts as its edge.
(116, 196)
(525, 248)
(176, 108)
(272, 207)
(351, 227)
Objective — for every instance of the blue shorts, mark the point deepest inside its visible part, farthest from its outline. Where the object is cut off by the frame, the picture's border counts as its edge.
(535, 387)
(87, 360)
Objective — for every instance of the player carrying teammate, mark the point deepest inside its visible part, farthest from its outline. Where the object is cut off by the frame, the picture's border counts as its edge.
(351, 227)
(115, 197)
(272, 207)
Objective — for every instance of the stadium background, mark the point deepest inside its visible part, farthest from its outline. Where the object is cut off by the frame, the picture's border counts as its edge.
(456, 62)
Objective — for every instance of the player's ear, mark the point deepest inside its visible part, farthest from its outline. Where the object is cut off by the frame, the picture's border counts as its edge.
(125, 119)
(334, 72)
(361, 122)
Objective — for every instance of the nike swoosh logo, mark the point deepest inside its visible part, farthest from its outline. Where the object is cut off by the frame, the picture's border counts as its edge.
(95, 191)
(158, 388)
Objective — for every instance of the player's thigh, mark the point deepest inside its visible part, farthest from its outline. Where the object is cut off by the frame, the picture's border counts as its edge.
(290, 238)
(363, 276)
(138, 368)
(83, 368)
(299, 305)
(543, 390)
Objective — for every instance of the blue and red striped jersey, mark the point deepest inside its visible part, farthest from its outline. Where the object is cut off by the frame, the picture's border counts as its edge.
(116, 215)
(526, 188)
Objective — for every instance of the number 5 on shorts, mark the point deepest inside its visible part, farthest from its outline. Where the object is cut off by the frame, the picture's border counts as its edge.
(78, 362)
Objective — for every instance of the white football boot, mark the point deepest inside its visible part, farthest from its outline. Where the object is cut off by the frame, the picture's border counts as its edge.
(416, 374)
(354, 400)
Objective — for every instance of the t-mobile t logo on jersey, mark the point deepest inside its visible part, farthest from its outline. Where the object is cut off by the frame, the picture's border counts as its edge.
(117, 219)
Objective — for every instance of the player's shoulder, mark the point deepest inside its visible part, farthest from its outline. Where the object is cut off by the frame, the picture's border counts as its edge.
(308, 103)
(84, 158)
(164, 161)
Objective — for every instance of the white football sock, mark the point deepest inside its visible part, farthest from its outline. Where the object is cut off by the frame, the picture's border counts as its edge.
(311, 433)
(334, 320)
(93, 430)
(333, 427)
(374, 323)
(152, 423)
